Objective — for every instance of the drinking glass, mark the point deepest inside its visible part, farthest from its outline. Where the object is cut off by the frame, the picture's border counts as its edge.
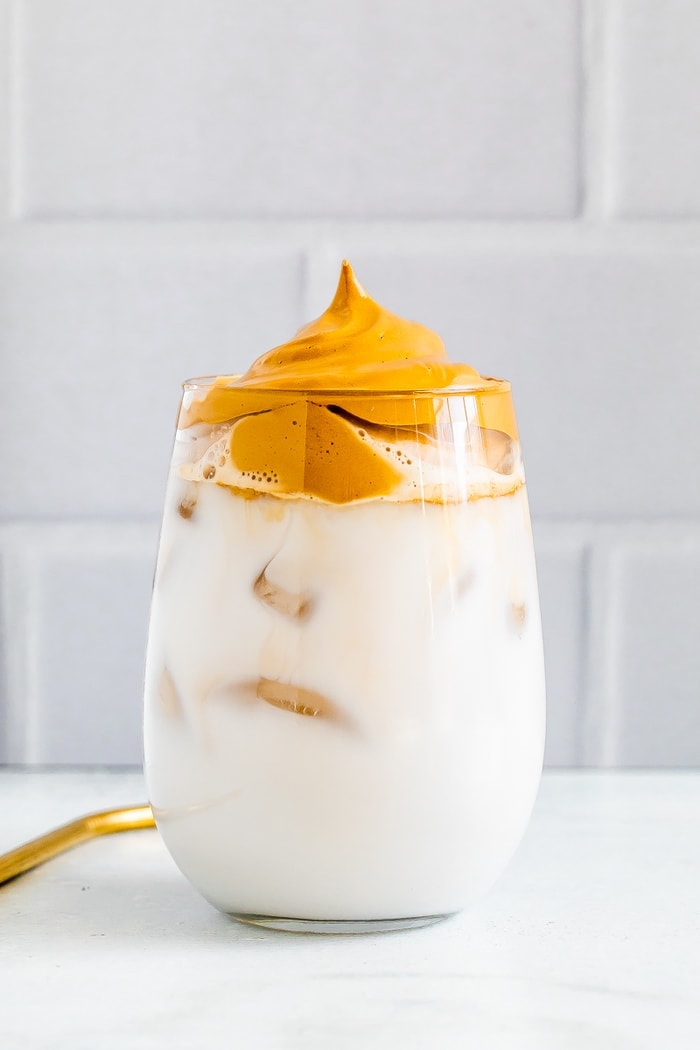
(344, 703)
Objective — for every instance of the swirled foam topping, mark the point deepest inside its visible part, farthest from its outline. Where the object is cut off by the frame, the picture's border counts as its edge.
(357, 344)
(355, 407)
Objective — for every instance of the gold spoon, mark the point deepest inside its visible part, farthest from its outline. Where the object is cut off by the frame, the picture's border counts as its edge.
(41, 849)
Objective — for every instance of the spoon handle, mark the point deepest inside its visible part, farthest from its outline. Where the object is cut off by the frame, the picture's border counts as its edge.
(41, 849)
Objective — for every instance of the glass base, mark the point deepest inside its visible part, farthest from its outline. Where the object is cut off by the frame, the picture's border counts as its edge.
(272, 922)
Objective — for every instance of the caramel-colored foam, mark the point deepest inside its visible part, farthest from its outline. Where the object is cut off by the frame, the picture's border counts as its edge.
(312, 442)
(306, 448)
(357, 344)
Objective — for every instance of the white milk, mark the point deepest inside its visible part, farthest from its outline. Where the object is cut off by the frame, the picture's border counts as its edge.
(344, 710)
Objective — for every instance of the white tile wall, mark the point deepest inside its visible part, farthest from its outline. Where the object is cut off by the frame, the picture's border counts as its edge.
(209, 108)
(561, 574)
(180, 182)
(80, 629)
(99, 332)
(655, 656)
(655, 107)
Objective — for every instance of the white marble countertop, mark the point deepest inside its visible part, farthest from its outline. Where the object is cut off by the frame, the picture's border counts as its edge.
(590, 940)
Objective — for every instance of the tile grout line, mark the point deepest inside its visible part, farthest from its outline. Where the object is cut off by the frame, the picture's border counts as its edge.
(591, 237)
(583, 659)
(5, 77)
(20, 606)
(612, 682)
(595, 135)
(32, 738)
(316, 264)
(14, 173)
(598, 727)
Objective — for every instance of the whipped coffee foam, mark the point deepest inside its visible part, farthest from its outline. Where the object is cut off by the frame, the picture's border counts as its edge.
(401, 465)
(359, 405)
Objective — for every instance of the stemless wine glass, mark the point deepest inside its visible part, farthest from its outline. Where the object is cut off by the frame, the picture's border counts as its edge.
(344, 707)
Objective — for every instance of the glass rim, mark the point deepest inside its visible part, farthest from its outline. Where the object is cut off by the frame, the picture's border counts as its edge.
(488, 385)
